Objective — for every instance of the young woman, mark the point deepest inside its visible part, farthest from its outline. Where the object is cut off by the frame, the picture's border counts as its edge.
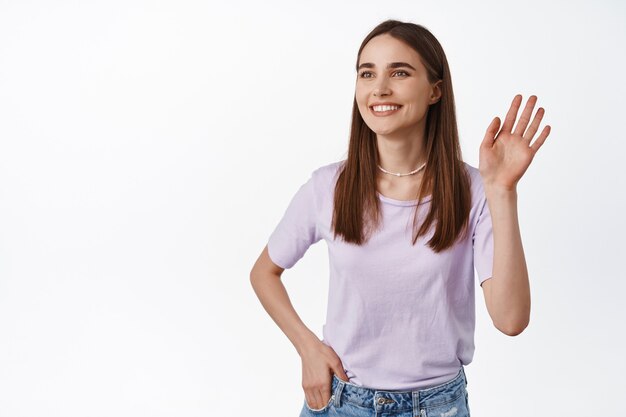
(406, 221)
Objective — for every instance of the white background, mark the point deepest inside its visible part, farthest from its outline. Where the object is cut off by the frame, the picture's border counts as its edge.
(148, 149)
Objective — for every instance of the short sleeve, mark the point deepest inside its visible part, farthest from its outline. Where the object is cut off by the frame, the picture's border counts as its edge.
(297, 230)
(483, 242)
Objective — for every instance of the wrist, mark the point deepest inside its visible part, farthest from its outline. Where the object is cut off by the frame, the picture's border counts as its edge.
(500, 190)
(306, 341)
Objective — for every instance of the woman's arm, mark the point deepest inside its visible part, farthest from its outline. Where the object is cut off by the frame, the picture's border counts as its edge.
(265, 278)
(507, 293)
(318, 360)
(505, 155)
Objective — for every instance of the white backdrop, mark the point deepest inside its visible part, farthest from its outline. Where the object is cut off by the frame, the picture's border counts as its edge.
(148, 149)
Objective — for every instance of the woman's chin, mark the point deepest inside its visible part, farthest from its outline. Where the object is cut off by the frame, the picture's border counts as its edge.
(384, 131)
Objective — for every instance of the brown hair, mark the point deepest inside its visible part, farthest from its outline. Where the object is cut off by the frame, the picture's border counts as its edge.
(356, 211)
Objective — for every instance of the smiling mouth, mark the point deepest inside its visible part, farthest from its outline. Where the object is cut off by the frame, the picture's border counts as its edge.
(384, 110)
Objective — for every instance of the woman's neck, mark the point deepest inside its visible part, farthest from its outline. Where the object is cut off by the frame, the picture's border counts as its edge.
(400, 156)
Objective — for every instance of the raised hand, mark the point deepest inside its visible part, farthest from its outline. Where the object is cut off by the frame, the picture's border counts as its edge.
(505, 155)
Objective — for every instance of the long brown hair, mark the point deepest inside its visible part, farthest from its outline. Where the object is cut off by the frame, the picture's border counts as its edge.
(356, 212)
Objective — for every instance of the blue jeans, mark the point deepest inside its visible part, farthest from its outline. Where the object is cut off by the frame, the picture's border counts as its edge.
(446, 400)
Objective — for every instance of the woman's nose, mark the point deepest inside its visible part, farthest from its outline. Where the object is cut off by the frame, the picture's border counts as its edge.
(381, 91)
(381, 88)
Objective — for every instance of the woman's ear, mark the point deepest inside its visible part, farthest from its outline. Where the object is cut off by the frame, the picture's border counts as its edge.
(436, 92)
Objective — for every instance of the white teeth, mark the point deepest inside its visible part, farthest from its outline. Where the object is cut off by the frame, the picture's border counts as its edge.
(385, 108)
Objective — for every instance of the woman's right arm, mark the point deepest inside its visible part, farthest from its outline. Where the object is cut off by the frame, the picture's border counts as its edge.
(318, 360)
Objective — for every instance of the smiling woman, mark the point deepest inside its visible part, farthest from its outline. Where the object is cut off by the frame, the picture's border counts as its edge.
(402, 85)
(401, 308)
(413, 92)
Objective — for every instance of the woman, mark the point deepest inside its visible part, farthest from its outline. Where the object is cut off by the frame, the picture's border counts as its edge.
(400, 319)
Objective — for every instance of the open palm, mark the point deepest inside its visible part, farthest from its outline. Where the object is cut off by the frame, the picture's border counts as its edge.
(505, 155)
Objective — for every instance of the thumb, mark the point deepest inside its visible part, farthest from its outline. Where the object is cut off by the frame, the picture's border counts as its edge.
(341, 374)
(491, 133)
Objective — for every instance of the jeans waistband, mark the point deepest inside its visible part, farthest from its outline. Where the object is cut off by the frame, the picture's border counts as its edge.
(382, 400)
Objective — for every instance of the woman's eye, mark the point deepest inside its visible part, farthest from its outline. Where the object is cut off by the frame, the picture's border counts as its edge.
(364, 73)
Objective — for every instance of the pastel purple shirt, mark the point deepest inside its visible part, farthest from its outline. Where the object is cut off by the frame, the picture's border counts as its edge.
(400, 316)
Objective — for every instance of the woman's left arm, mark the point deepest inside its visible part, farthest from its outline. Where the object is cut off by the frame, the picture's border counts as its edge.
(504, 158)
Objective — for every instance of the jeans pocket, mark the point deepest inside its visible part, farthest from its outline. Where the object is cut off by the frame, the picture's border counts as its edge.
(320, 410)
(456, 406)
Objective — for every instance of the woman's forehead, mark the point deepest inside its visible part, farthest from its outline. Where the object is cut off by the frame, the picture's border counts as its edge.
(385, 49)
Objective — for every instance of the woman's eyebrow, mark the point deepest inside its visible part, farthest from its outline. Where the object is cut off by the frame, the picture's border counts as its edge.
(389, 66)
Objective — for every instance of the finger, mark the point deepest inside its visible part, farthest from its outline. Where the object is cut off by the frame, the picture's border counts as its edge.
(509, 120)
(338, 370)
(316, 400)
(491, 133)
(310, 399)
(541, 139)
(525, 116)
(342, 375)
(532, 129)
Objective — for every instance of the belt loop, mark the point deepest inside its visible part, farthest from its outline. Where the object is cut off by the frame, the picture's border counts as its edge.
(416, 403)
(338, 391)
(464, 374)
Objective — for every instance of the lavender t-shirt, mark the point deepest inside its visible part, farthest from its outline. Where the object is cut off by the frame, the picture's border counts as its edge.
(400, 317)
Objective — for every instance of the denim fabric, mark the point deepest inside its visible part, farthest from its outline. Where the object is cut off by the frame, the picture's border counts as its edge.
(449, 399)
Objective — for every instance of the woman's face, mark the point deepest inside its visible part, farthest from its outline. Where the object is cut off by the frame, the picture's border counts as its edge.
(391, 72)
